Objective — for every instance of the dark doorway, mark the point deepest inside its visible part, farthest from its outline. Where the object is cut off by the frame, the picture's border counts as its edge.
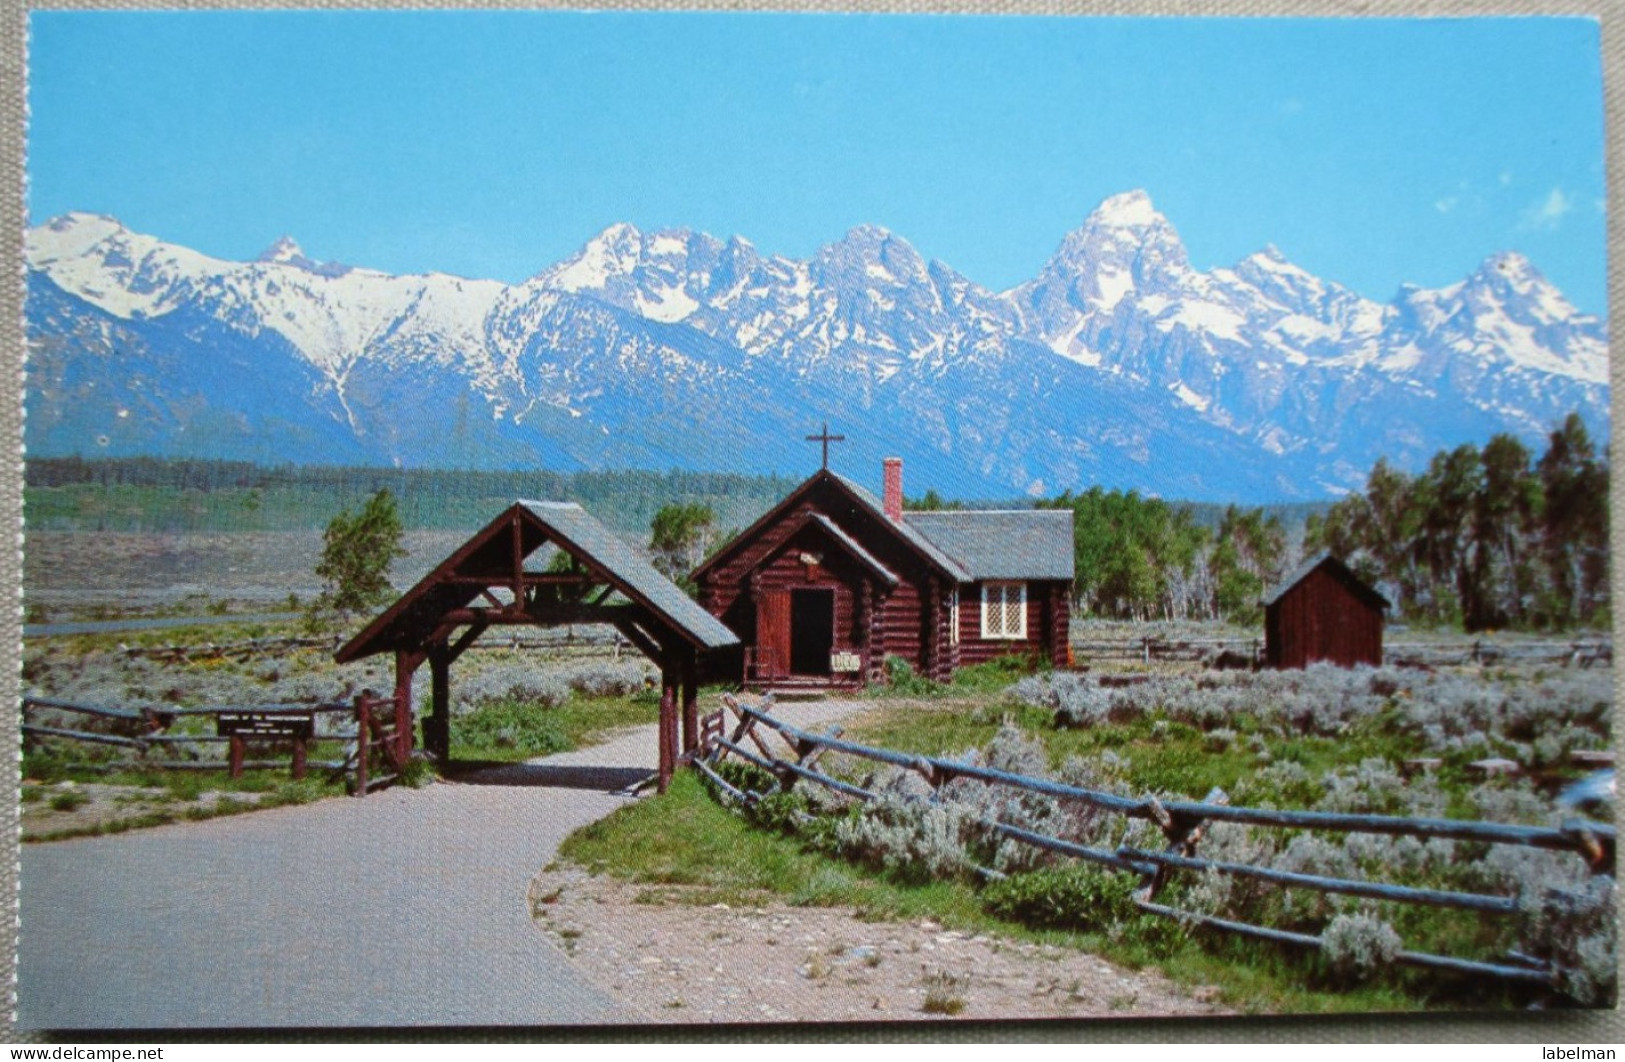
(812, 631)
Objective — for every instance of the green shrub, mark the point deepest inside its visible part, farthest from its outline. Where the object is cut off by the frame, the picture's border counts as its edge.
(1077, 896)
(746, 777)
(69, 800)
(516, 725)
(417, 773)
(902, 681)
(779, 812)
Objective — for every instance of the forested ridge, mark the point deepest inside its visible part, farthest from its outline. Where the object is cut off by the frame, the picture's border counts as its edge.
(1484, 537)
(178, 495)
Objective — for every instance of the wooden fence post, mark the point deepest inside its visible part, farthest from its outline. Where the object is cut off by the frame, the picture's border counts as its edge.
(668, 731)
(363, 726)
(691, 711)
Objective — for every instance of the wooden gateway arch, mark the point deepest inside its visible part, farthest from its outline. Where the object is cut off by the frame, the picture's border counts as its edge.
(486, 583)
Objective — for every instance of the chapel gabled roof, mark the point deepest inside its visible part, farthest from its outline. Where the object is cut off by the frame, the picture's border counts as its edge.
(909, 533)
(859, 497)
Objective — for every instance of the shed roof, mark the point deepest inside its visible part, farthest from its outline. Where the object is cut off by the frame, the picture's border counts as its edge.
(453, 585)
(1335, 567)
(1002, 543)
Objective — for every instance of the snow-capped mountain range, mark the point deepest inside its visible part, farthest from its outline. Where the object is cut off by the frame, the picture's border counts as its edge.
(1118, 364)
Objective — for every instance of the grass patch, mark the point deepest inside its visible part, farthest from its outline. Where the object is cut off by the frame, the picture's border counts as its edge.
(69, 800)
(685, 838)
(992, 676)
(944, 993)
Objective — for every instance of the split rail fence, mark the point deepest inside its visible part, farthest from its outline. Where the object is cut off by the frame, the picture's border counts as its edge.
(1249, 652)
(567, 643)
(1181, 823)
(375, 752)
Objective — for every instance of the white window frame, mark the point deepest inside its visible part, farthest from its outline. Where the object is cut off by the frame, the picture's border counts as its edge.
(953, 616)
(1004, 611)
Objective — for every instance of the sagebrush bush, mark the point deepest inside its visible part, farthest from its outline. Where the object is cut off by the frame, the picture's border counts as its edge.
(1542, 719)
(509, 682)
(610, 679)
(1173, 727)
(1359, 946)
(1576, 930)
(913, 840)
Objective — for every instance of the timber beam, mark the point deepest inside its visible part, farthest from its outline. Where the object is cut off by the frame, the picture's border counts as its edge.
(542, 614)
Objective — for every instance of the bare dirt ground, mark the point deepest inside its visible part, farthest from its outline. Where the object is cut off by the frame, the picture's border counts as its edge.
(83, 807)
(669, 961)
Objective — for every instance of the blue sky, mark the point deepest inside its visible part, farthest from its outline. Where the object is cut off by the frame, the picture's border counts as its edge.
(1373, 152)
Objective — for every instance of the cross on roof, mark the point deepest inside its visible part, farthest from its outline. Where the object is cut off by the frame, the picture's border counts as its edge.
(826, 438)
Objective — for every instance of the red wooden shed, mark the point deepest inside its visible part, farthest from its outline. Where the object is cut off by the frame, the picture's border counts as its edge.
(1323, 611)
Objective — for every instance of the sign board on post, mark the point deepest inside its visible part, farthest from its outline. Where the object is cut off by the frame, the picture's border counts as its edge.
(243, 727)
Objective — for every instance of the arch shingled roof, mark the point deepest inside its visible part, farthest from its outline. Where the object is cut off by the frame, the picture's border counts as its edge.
(417, 613)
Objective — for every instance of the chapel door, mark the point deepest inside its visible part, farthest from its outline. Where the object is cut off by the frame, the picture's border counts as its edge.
(773, 634)
(812, 621)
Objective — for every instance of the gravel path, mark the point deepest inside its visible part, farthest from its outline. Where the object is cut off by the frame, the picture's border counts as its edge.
(406, 908)
(669, 960)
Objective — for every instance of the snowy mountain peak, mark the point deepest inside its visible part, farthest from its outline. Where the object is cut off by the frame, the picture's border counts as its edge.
(1131, 209)
(1125, 234)
(284, 250)
(1270, 257)
(871, 255)
(1510, 281)
(1509, 271)
(867, 235)
(614, 252)
(71, 235)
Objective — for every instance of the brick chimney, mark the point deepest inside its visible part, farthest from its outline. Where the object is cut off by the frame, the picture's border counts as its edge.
(894, 489)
